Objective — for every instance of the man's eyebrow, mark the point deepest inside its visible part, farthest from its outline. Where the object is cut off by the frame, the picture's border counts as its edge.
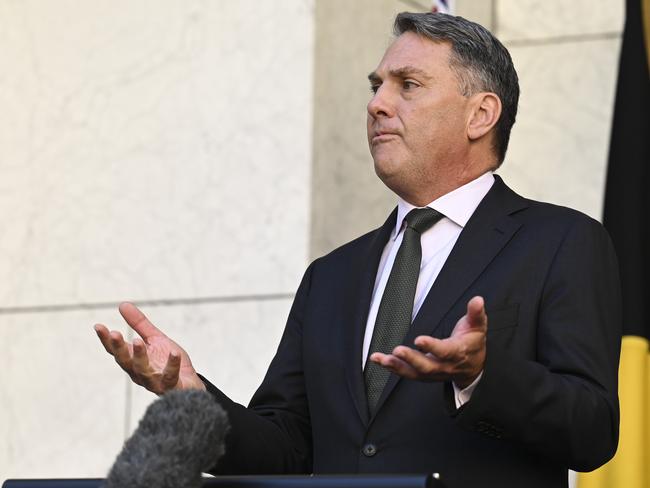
(403, 72)
(374, 77)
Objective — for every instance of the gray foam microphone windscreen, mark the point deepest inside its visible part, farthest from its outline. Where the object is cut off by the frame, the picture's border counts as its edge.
(180, 435)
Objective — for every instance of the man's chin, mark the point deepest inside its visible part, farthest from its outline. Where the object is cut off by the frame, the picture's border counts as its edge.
(396, 176)
(389, 174)
(387, 168)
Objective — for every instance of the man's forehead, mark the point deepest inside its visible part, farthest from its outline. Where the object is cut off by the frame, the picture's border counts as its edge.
(413, 52)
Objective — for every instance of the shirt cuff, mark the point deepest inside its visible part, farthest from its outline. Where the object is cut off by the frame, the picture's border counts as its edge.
(461, 397)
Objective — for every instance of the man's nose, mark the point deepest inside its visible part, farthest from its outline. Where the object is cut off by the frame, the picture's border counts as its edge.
(381, 104)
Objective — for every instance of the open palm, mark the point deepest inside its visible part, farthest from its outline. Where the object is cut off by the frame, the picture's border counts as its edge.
(153, 360)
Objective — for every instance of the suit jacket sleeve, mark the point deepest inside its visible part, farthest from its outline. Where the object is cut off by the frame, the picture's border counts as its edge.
(563, 404)
(272, 435)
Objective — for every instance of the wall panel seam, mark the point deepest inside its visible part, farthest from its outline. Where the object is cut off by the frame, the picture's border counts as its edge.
(164, 302)
(602, 36)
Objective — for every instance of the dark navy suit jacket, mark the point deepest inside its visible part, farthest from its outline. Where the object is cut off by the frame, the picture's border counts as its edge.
(547, 400)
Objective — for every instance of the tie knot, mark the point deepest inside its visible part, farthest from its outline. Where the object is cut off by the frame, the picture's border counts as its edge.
(421, 219)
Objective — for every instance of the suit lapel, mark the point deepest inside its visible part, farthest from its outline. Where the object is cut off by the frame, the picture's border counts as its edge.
(358, 297)
(486, 233)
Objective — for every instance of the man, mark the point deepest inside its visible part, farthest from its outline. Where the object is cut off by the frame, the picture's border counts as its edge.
(507, 375)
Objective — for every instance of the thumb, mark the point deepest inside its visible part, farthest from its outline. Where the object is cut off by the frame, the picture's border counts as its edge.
(476, 315)
(138, 321)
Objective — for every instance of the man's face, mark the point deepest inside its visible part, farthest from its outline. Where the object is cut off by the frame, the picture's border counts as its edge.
(417, 118)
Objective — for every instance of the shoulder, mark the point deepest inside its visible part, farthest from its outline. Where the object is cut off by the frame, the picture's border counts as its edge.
(362, 246)
(548, 217)
(352, 252)
(540, 228)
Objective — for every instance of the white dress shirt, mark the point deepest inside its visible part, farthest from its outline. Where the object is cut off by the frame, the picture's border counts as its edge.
(437, 242)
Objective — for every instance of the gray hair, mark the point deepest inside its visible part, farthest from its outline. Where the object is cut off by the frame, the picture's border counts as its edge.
(480, 61)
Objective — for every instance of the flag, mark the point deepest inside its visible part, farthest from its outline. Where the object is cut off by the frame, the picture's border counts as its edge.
(442, 6)
(627, 218)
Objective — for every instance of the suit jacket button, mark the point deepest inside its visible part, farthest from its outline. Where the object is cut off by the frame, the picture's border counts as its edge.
(369, 450)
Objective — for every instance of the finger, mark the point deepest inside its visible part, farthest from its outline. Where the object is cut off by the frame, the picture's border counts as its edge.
(476, 312)
(394, 364)
(442, 349)
(425, 365)
(121, 351)
(104, 337)
(140, 358)
(138, 321)
(171, 371)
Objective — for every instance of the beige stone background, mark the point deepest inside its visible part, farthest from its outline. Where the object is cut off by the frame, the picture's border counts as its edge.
(193, 156)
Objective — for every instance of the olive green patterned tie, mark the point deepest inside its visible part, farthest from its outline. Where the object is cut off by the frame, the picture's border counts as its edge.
(396, 306)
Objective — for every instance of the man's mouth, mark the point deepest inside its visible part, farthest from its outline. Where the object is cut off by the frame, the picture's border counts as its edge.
(383, 136)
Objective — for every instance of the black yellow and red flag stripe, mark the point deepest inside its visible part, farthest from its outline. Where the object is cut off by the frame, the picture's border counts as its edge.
(627, 218)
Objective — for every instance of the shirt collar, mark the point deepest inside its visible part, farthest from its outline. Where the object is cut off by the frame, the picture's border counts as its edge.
(457, 205)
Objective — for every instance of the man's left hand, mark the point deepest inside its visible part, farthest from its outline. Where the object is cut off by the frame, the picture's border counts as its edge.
(459, 358)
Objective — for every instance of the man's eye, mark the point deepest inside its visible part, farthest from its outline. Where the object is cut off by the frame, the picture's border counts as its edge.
(374, 88)
(409, 85)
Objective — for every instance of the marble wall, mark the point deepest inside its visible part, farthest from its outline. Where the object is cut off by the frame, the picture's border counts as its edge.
(152, 151)
(567, 60)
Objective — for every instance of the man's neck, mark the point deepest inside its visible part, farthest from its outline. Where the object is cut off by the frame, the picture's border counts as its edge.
(444, 186)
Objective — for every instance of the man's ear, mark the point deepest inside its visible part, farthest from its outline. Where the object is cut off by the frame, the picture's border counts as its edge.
(484, 115)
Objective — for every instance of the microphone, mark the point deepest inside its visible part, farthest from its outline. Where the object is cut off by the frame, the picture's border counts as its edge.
(180, 435)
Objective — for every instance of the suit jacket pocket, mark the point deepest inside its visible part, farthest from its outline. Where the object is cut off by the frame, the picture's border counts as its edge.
(502, 326)
(503, 318)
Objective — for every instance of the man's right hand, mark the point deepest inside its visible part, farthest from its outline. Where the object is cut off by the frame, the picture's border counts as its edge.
(153, 360)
